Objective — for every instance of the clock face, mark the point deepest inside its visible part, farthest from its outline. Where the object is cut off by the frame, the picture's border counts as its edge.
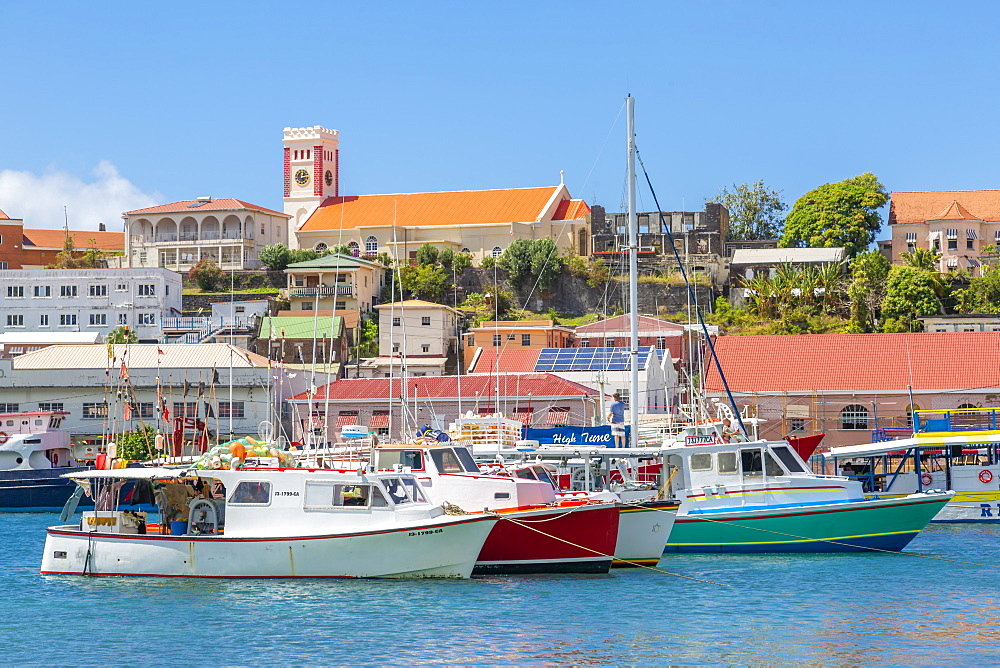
(302, 177)
(328, 177)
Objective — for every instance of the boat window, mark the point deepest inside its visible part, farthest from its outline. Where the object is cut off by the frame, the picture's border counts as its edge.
(10, 423)
(378, 498)
(788, 459)
(525, 474)
(324, 494)
(701, 462)
(543, 475)
(248, 492)
(751, 463)
(727, 462)
(446, 461)
(465, 457)
(771, 466)
(403, 490)
(413, 459)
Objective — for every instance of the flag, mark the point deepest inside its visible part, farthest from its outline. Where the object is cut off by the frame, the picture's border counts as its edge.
(128, 411)
(215, 376)
(124, 372)
(159, 351)
(209, 413)
(111, 352)
(164, 410)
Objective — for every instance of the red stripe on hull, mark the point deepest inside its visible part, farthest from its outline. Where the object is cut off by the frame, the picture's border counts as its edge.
(594, 528)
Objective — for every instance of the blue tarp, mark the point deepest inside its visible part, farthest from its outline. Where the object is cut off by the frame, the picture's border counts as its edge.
(583, 436)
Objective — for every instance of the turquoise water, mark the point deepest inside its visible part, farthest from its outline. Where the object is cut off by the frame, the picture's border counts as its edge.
(812, 609)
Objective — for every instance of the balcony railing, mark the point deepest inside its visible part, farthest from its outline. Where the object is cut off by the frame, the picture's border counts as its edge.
(323, 291)
(190, 239)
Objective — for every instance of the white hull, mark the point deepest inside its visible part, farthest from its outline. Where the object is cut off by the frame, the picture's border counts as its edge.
(643, 529)
(442, 548)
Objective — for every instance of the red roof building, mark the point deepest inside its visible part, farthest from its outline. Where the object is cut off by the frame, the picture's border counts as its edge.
(480, 222)
(30, 248)
(439, 400)
(845, 385)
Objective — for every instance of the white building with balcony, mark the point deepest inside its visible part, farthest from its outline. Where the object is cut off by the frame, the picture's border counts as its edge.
(89, 300)
(228, 231)
(334, 282)
(416, 334)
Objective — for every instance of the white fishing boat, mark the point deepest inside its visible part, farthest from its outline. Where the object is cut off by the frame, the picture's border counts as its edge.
(268, 523)
(955, 449)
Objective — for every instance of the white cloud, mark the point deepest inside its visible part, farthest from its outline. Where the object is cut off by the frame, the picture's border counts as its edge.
(39, 200)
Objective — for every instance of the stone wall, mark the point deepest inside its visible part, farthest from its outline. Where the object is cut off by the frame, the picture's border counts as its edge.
(194, 305)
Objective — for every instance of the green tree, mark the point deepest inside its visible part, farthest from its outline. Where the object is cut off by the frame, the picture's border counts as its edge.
(837, 214)
(869, 272)
(446, 258)
(531, 258)
(301, 255)
(424, 282)
(488, 262)
(909, 294)
(274, 256)
(922, 258)
(138, 445)
(461, 262)
(755, 211)
(207, 274)
(427, 255)
(121, 335)
(982, 294)
(478, 307)
(368, 338)
(66, 258)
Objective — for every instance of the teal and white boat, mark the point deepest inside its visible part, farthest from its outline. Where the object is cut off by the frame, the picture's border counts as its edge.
(760, 496)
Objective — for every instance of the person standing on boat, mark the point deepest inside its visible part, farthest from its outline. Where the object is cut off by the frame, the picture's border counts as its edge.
(616, 416)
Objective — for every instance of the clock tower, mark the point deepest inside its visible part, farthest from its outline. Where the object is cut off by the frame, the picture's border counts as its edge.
(312, 158)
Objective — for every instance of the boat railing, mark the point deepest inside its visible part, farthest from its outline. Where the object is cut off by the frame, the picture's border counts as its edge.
(883, 434)
(956, 419)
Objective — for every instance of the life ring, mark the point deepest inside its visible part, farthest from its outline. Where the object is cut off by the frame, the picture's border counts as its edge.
(3, 437)
(55, 458)
(985, 476)
(926, 479)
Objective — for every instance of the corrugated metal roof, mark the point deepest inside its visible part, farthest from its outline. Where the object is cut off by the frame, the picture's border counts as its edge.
(437, 387)
(468, 207)
(141, 356)
(50, 337)
(857, 362)
(334, 261)
(623, 323)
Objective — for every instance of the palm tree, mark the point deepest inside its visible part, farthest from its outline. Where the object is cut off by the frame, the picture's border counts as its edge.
(922, 258)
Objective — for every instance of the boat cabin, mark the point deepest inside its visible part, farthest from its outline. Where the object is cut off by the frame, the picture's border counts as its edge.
(34, 441)
(258, 502)
(449, 473)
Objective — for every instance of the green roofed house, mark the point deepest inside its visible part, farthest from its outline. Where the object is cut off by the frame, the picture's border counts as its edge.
(303, 339)
(334, 282)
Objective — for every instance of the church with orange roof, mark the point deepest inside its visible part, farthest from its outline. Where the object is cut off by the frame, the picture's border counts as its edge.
(958, 223)
(479, 222)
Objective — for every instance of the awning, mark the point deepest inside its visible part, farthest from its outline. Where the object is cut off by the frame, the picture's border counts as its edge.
(952, 262)
(996, 236)
(970, 234)
(347, 418)
(934, 236)
(522, 415)
(558, 415)
(379, 419)
(973, 262)
(953, 233)
(911, 237)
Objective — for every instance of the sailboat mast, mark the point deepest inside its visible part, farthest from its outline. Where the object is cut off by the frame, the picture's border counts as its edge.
(633, 272)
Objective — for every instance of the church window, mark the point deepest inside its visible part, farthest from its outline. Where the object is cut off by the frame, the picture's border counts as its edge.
(354, 247)
(321, 247)
(497, 251)
(371, 244)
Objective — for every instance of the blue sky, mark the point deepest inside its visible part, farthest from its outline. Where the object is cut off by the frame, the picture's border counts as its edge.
(112, 105)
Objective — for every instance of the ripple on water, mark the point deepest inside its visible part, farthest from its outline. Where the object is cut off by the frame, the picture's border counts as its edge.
(777, 609)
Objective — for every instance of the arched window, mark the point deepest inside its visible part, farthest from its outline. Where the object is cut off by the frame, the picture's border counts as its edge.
(371, 245)
(354, 247)
(909, 414)
(321, 247)
(854, 416)
(963, 406)
(467, 251)
(497, 251)
(583, 242)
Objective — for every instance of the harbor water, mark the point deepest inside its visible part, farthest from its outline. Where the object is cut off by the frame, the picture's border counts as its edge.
(774, 609)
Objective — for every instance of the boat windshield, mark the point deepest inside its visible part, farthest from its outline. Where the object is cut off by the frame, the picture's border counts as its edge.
(404, 490)
(413, 459)
(788, 459)
(543, 475)
(457, 460)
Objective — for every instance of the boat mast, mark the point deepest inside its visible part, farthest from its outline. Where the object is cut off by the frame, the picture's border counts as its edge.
(633, 272)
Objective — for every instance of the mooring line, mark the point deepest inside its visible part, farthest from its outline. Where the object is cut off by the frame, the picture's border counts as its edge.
(821, 540)
(602, 554)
